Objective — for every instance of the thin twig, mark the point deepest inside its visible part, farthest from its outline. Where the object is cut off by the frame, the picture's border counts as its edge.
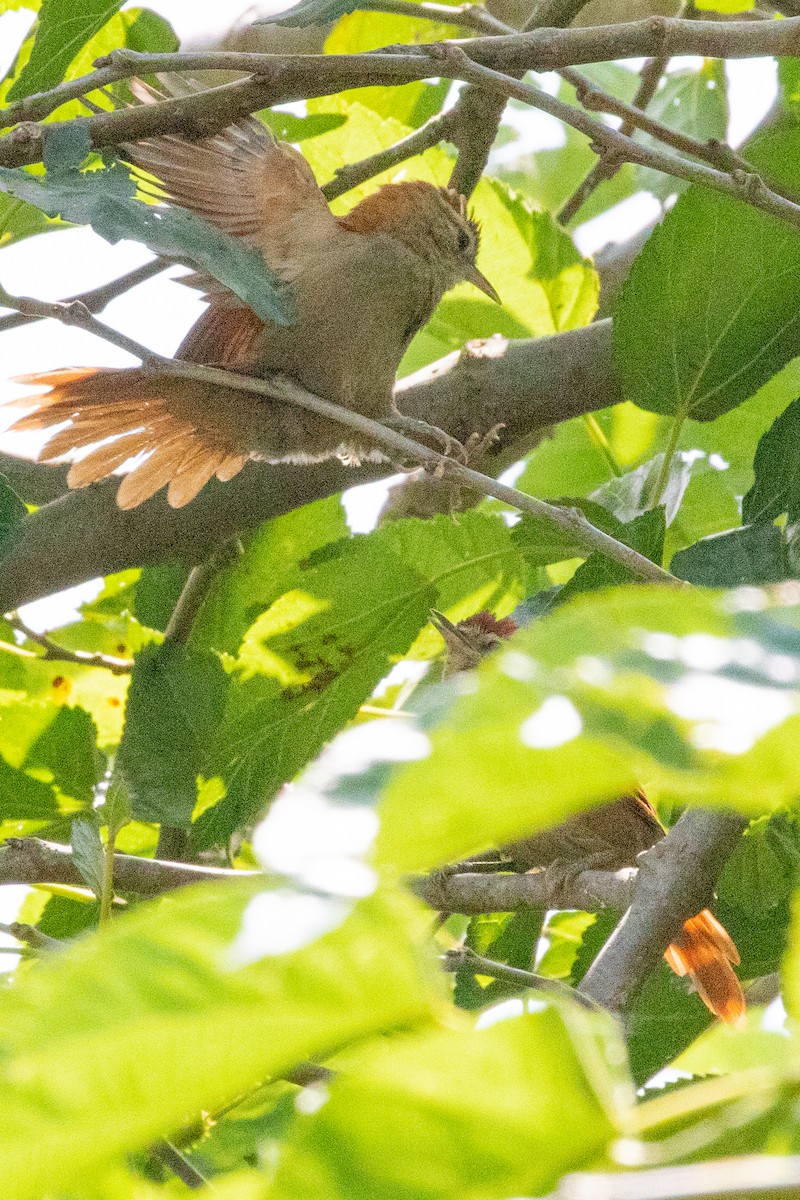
(438, 129)
(170, 1157)
(31, 937)
(96, 299)
(31, 860)
(55, 653)
(464, 16)
(463, 957)
(280, 78)
(741, 185)
(605, 168)
(76, 313)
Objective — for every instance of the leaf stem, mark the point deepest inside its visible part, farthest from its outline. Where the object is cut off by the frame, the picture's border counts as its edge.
(669, 454)
(107, 882)
(599, 439)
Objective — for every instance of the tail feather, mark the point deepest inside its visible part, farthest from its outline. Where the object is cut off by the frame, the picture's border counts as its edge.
(156, 472)
(705, 951)
(193, 474)
(102, 418)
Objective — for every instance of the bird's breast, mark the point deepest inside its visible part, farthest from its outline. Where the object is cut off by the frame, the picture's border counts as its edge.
(357, 308)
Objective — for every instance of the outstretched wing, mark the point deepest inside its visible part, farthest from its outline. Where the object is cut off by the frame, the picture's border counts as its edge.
(242, 181)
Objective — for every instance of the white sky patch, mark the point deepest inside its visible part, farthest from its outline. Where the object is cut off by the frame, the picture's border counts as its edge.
(519, 666)
(619, 223)
(506, 1010)
(554, 724)
(318, 843)
(283, 921)
(729, 716)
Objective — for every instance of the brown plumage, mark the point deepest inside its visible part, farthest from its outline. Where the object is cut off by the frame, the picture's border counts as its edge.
(362, 285)
(610, 837)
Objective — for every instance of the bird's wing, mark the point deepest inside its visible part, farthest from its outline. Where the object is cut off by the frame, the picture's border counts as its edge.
(242, 181)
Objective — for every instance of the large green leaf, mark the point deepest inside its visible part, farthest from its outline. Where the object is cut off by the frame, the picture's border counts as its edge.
(360, 32)
(711, 308)
(61, 31)
(690, 692)
(183, 1006)
(310, 660)
(463, 1115)
(175, 705)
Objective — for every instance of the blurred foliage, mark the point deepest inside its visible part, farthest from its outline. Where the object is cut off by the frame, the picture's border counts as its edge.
(298, 727)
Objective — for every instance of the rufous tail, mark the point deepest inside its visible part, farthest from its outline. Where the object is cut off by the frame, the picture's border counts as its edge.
(704, 950)
(116, 415)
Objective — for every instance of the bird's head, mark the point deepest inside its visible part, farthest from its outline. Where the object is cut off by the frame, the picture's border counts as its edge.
(432, 222)
(470, 640)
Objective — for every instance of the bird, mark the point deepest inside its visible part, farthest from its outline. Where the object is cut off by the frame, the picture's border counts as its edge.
(362, 285)
(608, 837)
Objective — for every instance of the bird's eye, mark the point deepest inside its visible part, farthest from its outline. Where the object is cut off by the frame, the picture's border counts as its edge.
(464, 241)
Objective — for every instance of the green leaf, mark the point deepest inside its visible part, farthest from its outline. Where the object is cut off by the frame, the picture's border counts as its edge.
(678, 688)
(501, 1112)
(630, 495)
(12, 512)
(87, 854)
(67, 750)
(115, 810)
(106, 201)
(272, 563)
(645, 534)
(61, 31)
(314, 12)
(754, 554)
(360, 32)
(23, 798)
(710, 310)
(175, 705)
(776, 487)
(202, 968)
(310, 660)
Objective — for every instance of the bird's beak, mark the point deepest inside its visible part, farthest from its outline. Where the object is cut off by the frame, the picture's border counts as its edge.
(452, 636)
(479, 280)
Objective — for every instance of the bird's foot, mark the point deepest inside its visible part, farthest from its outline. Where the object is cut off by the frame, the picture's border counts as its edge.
(478, 444)
(432, 436)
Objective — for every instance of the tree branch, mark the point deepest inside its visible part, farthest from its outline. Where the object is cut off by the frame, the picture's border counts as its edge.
(457, 960)
(472, 892)
(55, 653)
(675, 880)
(31, 860)
(569, 521)
(276, 79)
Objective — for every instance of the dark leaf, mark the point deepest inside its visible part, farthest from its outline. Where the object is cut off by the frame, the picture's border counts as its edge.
(175, 704)
(754, 554)
(87, 854)
(106, 201)
(776, 487)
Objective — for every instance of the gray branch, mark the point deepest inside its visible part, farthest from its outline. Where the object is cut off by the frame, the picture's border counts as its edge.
(675, 880)
(472, 893)
(31, 861)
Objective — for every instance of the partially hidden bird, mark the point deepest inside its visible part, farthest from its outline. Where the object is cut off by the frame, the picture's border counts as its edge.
(361, 286)
(609, 837)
